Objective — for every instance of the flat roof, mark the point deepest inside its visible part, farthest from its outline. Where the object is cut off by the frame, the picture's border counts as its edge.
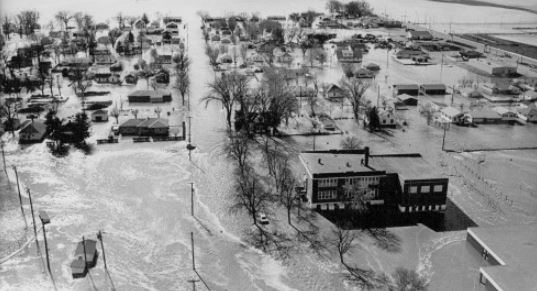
(407, 166)
(515, 247)
(333, 162)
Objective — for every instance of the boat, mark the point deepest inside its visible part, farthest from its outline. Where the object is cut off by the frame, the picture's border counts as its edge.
(82, 263)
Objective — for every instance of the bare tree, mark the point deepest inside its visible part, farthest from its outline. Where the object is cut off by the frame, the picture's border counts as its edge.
(135, 113)
(158, 111)
(404, 279)
(212, 53)
(115, 113)
(351, 143)
(354, 89)
(63, 18)
(238, 148)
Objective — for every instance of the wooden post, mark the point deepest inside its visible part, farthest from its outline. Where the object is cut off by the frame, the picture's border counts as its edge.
(192, 247)
(100, 237)
(192, 198)
(20, 196)
(33, 217)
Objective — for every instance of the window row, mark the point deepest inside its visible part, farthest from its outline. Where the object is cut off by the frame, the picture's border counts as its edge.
(426, 189)
(327, 194)
(328, 182)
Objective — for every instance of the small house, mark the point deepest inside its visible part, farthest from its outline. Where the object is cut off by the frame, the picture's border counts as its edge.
(530, 113)
(451, 114)
(485, 116)
(387, 118)
(99, 115)
(349, 54)
(507, 114)
(33, 132)
(334, 92)
(433, 89)
(146, 96)
(409, 89)
(146, 127)
(407, 100)
(419, 35)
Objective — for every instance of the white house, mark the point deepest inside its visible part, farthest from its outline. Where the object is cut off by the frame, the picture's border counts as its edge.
(99, 115)
(387, 118)
(451, 114)
(507, 114)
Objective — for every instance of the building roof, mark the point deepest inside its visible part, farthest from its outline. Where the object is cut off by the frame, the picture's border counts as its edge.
(36, 126)
(485, 114)
(406, 86)
(327, 162)
(404, 97)
(131, 123)
(100, 111)
(450, 111)
(515, 248)
(150, 93)
(433, 86)
(526, 111)
(407, 166)
(502, 110)
(154, 123)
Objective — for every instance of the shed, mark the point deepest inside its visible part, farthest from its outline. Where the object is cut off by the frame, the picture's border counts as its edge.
(407, 100)
(433, 89)
(409, 89)
(99, 115)
(485, 116)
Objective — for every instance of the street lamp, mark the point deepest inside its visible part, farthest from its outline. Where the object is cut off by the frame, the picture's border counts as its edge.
(45, 219)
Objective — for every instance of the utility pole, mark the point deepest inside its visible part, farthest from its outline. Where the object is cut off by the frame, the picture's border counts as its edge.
(192, 247)
(444, 137)
(33, 218)
(314, 141)
(192, 198)
(100, 237)
(20, 196)
(4, 157)
(43, 216)
(193, 281)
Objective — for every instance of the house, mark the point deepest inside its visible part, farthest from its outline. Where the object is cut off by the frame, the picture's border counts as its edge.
(404, 182)
(168, 19)
(485, 116)
(33, 132)
(409, 89)
(508, 254)
(433, 89)
(334, 92)
(107, 77)
(349, 54)
(150, 96)
(419, 35)
(99, 115)
(528, 96)
(139, 24)
(470, 93)
(407, 100)
(451, 114)
(146, 127)
(163, 59)
(508, 115)
(387, 118)
(173, 28)
(363, 73)
(492, 68)
(530, 113)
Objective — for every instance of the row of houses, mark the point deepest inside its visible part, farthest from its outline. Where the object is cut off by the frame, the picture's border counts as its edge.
(423, 89)
(497, 114)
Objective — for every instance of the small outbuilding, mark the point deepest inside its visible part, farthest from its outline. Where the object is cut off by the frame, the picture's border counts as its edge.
(100, 115)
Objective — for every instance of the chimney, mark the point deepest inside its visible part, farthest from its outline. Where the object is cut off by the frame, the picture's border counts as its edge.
(320, 161)
(366, 158)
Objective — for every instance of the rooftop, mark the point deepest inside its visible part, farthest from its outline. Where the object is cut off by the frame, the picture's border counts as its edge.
(515, 247)
(327, 162)
(408, 166)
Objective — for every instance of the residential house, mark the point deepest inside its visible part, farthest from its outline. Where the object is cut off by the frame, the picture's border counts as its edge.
(106, 77)
(33, 132)
(387, 118)
(163, 59)
(507, 114)
(530, 113)
(145, 127)
(485, 115)
(162, 77)
(419, 35)
(451, 114)
(407, 100)
(489, 67)
(99, 115)
(146, 96)
(349, 54)
(433, 89)
(334, 92)
(409, 89)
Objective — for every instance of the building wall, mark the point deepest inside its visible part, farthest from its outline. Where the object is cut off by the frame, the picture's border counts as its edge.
(423, 195)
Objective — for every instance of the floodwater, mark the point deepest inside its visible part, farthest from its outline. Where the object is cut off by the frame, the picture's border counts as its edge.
(139, 194)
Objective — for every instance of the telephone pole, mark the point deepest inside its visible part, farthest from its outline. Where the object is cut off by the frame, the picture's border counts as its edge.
(192, 198)
(193, 281)
(4, 158)
(33, 218)
(192, 247)
(20, 196)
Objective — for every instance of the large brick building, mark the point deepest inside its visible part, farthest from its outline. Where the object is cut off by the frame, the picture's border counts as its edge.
(402, 181)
